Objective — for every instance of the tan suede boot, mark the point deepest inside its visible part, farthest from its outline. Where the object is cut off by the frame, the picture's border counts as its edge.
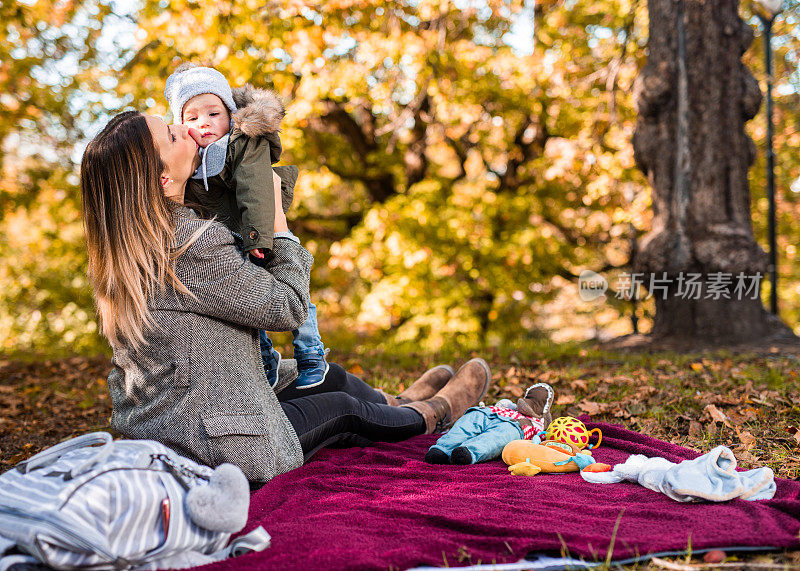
(391, 400)
(465, 389)
(430, 383)
(434, 410)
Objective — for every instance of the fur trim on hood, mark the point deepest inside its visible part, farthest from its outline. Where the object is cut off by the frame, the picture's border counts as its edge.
(259, 113)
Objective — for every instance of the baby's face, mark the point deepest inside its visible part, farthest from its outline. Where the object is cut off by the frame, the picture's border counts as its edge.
(208, 114)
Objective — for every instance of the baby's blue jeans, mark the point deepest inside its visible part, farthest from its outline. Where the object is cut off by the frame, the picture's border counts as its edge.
(306, 339)
(483, 433)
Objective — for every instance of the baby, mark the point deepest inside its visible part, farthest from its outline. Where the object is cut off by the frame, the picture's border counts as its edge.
(236, 181)
(482, 433)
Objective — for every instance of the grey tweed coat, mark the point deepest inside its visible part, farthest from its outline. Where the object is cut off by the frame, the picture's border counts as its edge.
(199, 385)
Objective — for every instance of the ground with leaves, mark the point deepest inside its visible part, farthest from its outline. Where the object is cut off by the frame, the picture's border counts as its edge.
(745, 400)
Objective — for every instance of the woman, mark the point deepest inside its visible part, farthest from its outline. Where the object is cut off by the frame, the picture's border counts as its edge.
(182, 308)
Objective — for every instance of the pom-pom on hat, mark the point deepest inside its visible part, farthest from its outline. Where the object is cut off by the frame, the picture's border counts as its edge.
(189, 81)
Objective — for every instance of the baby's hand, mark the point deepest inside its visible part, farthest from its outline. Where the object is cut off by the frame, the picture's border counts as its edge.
(258, 253)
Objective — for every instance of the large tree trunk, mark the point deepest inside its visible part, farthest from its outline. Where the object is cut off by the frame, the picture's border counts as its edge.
(694, 97)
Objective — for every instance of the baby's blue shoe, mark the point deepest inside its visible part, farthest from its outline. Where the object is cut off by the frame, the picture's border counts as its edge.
(312, 368)
(271, 365)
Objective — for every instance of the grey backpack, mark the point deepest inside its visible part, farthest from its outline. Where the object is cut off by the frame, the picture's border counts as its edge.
(125, 504)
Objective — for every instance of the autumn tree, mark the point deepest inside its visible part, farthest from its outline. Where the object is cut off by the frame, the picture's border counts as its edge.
(786, 103)
(45, 302)
(448, 177)
(461, 163)
(694, 97)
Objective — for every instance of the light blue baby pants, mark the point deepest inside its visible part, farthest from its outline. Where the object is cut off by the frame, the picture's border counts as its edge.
(482, 432)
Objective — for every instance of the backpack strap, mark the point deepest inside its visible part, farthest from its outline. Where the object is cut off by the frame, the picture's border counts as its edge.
(256, 540)
(8, 561)
(50, 455)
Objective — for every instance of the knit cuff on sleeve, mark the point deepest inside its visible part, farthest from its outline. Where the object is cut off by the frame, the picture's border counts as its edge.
(288, 234)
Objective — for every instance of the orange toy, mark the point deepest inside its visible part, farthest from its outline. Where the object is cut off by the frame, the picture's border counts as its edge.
(544, 455)
(572, 431)
(597, 467)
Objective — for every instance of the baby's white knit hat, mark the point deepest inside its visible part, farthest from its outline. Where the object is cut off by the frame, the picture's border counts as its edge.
(187, 83)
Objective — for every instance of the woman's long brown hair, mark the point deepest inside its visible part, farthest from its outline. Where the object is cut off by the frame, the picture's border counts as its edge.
(129, 226)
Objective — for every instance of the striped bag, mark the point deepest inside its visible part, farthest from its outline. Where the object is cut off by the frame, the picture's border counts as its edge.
(126, 504)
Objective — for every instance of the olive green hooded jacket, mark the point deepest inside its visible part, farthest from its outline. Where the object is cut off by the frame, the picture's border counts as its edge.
(241, 195)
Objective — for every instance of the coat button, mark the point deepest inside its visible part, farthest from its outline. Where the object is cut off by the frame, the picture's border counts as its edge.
(253, 235)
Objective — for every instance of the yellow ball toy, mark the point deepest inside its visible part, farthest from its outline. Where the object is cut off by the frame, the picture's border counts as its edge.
(572, 431)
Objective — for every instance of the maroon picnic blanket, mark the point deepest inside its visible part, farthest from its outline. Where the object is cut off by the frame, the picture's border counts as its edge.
(382, 507)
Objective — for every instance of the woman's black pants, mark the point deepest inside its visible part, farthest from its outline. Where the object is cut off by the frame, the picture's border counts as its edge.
(345, 411)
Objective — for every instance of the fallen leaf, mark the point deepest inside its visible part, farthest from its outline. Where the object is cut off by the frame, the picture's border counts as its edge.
(18, 457)
(795, 432)
(747, 439)
(645, 391)
(717, 415)
(565, 399)
(591, 407)
(749, 413)
(736, 417)
(547, 377)
(695, 429)
(578, 384)
(727, 399)
(697, 366)
(748, 457)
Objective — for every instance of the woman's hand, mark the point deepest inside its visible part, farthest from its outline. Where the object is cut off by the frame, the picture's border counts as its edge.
(280, 215)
